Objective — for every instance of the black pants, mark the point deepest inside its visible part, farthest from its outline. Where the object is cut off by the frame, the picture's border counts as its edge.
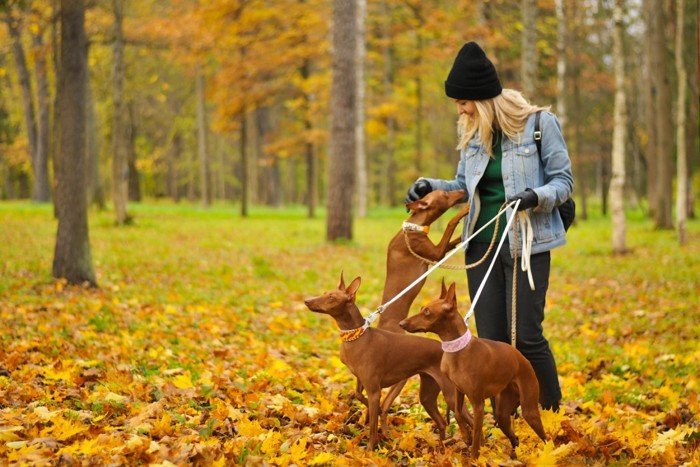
(494, 307)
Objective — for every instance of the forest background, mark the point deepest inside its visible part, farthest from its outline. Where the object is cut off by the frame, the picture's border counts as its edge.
(184, 120)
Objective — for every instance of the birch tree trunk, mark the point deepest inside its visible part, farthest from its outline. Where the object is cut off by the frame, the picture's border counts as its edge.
(528, 68)
(682, 157)
(360, 149)
(72, 258)
(617, 181)
(343, 119)
(120, 167)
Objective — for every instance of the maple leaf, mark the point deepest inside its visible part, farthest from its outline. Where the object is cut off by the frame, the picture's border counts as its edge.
(551, 455)
(667, 440)
(297, 451)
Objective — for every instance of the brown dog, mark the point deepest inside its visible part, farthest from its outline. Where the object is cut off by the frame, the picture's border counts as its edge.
(380, 358)
(403, 267)
(480, 368)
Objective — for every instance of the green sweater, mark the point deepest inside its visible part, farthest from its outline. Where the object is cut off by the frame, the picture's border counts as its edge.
(492, 195)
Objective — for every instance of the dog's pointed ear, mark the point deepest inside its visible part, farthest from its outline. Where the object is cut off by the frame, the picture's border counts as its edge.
(341, 284)
(451, 296)
(443, 292)
(352, 288)
(419, 205)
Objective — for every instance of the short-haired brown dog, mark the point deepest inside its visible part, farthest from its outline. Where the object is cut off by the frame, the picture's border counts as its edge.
(480, 368)
(380, 358)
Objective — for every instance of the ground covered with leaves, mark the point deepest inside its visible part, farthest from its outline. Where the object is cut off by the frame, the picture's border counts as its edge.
(197, 348)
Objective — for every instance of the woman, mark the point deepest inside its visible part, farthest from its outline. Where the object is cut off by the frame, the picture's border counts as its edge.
(499, 161)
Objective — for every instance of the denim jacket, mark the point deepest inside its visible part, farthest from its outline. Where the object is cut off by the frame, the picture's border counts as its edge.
(548, 174)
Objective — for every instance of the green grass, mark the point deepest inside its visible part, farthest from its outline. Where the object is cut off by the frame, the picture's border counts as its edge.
(214, 299)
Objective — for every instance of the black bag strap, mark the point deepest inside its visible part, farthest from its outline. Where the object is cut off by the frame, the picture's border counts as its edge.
(537, 135)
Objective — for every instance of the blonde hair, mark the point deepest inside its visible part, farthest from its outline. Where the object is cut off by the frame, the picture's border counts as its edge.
(508, 111)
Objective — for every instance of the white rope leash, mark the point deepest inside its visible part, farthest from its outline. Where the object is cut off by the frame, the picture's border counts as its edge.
(493, 261)
(527, 236)
(373, 316)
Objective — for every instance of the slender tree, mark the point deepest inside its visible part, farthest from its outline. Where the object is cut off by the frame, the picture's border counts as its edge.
(41, 190)
(528, 69)
(649, 87)
(36, 128)
(309, 152)
(681, 114)
(617, 181)
(663, 120)
(204, 169)
(72, 257)
(343, 119)
(361, 153)
(120, 158)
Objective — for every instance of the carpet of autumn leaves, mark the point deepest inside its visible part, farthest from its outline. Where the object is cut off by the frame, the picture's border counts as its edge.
(197, 348)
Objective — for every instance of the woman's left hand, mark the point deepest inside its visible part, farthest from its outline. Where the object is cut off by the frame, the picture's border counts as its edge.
(528, 199)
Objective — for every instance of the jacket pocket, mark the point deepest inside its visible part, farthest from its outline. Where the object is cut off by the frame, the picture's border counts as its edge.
(527, 162)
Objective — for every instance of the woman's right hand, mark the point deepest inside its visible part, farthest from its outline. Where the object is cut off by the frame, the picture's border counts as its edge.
(420, 188)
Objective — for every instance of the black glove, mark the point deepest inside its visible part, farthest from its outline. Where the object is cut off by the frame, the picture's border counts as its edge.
(420, 188)
(528, 199)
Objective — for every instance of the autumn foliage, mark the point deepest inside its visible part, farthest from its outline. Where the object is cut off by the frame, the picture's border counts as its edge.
(197, 347)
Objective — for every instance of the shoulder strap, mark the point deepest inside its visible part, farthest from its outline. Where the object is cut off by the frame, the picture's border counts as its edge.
(537, 135)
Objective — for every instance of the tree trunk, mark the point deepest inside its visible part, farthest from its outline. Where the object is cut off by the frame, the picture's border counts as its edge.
(649, 107)
(95, 190)
(617, 181)
(419, 99)
(25, 85)
(41, 191)
(133, 184)
(561, 63)
(664, 115)
(361, 153)
(204, 171)
(343, 118)
(529, 49)
(72, 258)
(245, 172)
(387, 184)
(693, 110)
(120, 163)
(682, 167)
(311, 159)
(173, 163)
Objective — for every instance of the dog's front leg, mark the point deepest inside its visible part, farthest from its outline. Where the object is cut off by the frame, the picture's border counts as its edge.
(373, 395)
(462, 421)
(478, 406)
(358, 393)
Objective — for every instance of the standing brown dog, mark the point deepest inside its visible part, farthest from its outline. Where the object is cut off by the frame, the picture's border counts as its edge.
(480, 368)
(380, 358)
(402, 266)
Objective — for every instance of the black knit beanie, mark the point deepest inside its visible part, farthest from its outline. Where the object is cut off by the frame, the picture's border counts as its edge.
(472, 77)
